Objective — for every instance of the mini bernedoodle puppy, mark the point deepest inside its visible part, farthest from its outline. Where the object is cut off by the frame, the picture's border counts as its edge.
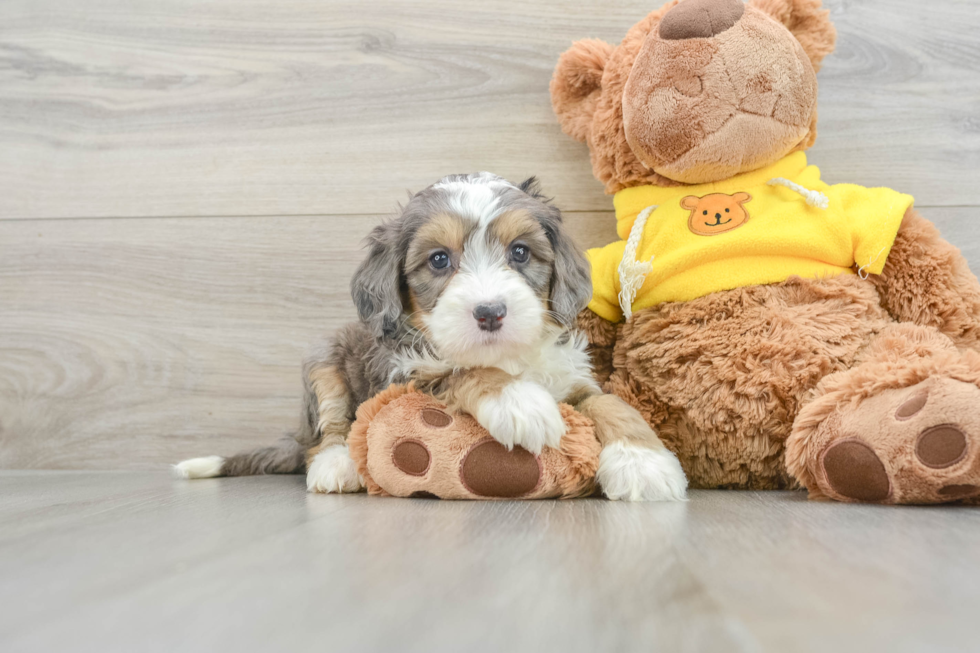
(472, 293)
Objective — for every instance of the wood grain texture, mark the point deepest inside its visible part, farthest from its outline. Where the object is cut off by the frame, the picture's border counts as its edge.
(302, 107)
(125, 562)
(134, 342)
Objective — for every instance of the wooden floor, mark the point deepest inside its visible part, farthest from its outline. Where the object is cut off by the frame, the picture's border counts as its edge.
(96, 561)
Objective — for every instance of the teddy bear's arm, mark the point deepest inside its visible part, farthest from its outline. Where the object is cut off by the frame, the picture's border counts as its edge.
(602, 340)
(927, 281)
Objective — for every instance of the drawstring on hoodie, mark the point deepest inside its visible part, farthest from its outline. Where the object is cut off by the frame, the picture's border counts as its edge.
(632, 273)
(813, 197)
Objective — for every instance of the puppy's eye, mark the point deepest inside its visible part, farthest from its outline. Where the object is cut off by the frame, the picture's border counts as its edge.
(439, 260)
(520, 253)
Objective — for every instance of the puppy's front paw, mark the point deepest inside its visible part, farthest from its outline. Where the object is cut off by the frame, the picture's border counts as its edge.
(332, 470)
(523, 414)
(631, 473)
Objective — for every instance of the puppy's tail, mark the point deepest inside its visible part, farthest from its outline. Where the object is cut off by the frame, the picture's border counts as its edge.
(285, 457)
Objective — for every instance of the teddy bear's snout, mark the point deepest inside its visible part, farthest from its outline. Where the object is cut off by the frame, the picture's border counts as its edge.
(700, 19)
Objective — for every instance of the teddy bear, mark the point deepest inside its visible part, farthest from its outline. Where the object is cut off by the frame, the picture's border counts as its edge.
(778, 332)
(407, 444)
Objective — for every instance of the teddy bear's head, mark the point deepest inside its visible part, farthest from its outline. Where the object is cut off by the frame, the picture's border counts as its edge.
(698, 91)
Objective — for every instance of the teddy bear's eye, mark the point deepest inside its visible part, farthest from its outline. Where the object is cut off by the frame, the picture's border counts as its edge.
(726, 210)
(706, 213)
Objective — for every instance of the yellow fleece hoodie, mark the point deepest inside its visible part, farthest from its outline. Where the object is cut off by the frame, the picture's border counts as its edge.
(757, 228)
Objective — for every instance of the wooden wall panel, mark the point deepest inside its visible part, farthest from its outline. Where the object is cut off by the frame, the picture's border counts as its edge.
(286, 107)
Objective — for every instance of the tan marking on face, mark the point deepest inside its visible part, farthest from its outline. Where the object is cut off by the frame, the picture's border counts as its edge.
(444, 231)
(417, 314)
(510, 226)
(716, 213)
(522, 227)
(549, 316)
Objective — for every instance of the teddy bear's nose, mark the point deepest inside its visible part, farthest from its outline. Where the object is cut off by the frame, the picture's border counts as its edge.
(700, 19)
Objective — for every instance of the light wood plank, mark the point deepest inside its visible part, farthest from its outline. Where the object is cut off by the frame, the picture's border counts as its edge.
(288, 107)
(123, 562)
(125, 344)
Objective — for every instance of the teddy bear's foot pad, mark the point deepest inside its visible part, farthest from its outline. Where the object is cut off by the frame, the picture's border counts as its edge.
(489, 470)
(911, 445)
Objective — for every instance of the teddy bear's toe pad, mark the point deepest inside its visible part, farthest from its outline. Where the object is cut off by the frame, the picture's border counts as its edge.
(855, 471)
(954, 492)
(941, 446)
(919, 444)
(411, 457)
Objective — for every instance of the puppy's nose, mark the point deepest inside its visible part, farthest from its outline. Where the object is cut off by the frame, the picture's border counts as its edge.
(700, 19)
(490, 316)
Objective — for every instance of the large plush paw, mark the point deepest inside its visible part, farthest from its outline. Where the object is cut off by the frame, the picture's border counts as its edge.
(524, 415)
(332, 470)
(407, 444)
(632, 473)
(919, 444)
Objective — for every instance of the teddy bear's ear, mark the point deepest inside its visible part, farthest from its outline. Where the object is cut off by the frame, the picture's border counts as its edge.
(690, 202)
(576, 84)
(808, 21)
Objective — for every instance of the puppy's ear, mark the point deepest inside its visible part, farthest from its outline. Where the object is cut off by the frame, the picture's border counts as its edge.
(808, 21)
(376, 284)
(576, 85)
(571, 281)
(531, 187)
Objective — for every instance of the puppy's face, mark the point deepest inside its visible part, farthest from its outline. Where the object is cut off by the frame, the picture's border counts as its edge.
(486, 269)
(479, 287)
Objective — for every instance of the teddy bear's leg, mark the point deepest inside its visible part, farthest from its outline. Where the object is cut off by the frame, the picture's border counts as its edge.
(927, 281)
(903, 426)
(329, 467)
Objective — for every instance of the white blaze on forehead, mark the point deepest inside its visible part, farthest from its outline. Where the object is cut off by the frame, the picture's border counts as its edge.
(475, 197)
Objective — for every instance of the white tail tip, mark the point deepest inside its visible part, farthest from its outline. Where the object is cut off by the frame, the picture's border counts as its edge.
(205, 467)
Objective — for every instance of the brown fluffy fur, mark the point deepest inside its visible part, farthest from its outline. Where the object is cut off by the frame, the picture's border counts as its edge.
(722, 377)
(927, 281)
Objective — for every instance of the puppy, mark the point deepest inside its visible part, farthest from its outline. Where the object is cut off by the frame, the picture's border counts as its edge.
(472, 293)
